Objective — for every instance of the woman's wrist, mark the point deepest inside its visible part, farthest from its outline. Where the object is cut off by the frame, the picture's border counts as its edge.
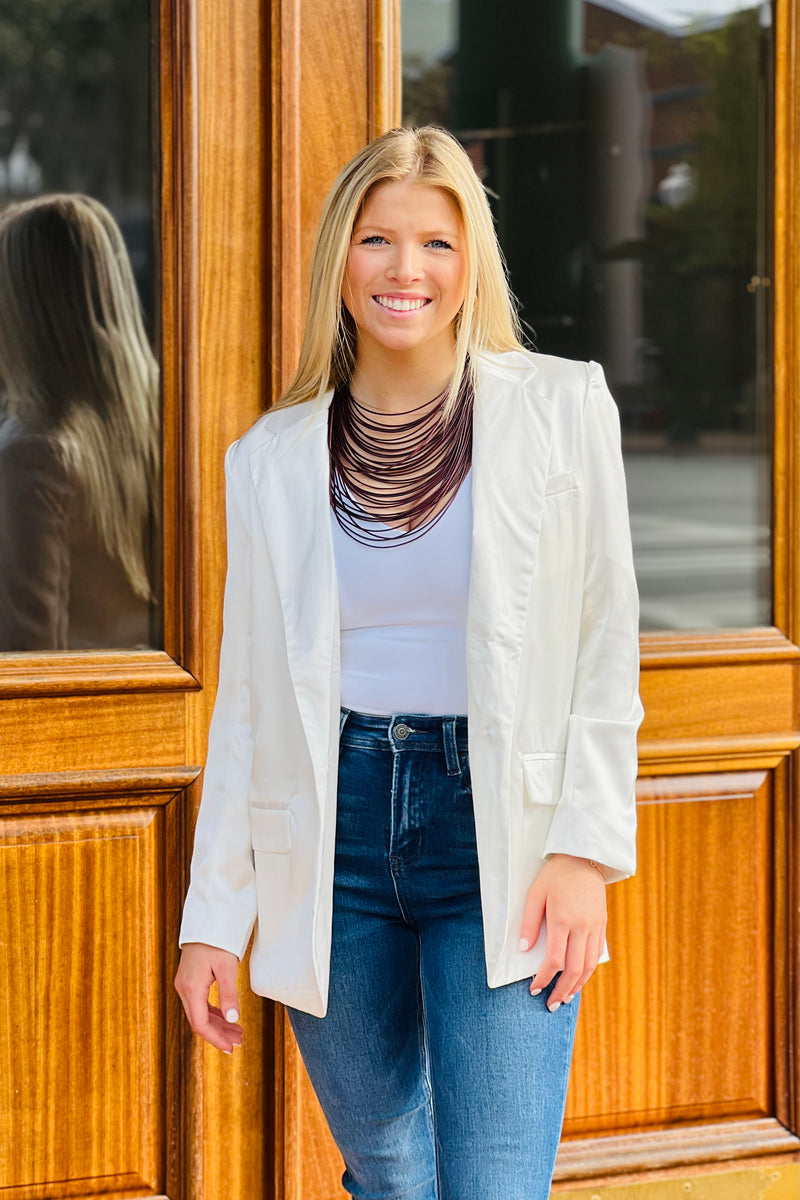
(589, 862)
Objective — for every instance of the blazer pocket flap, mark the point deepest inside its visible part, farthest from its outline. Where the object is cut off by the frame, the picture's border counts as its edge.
(271, 829)
(563, 481)
(544, 776)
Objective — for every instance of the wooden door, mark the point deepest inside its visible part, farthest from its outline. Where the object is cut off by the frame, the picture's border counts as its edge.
(686, 1062)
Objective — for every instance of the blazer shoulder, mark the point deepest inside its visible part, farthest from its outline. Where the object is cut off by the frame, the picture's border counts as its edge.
(272, 425)
(543, 375)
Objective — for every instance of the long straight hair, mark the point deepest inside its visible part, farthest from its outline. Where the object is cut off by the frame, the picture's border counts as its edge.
(77, 366)
(488, 319)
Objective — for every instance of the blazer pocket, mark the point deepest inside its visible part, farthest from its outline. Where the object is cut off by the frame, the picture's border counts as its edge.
(271, 829)
(563, 481)
(544, 775)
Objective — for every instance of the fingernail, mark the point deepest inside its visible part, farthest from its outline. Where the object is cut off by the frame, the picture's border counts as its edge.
(231, 1015)
(554, 1006)
(226, 1051)
(536, 991)
(524, 944)
(568, 999)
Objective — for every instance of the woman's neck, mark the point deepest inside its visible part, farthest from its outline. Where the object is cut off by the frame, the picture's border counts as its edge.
(394, 382)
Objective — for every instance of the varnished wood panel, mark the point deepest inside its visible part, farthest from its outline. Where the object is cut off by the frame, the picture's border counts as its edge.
(82, 1092)
(699, 702)
(91, 733)
(679, 1025)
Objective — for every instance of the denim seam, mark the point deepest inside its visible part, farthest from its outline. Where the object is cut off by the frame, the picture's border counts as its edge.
(429, 1077)
(392, 856)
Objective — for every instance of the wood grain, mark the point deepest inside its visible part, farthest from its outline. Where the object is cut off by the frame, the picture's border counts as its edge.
(700, 702)
(679, 1025)
(82, 1095)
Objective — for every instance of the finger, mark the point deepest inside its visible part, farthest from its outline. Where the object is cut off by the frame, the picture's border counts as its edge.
(205, 1020)
(194, 996)
(215, 1030)
(594, 945)
(555, 951)
(573, 968)
(532, 921)
(225, 975)
(218, 1018)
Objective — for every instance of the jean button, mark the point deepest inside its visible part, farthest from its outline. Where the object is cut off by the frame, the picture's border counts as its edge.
(402, 732)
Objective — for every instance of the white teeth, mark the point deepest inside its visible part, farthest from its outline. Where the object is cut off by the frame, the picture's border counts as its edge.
(399, 305)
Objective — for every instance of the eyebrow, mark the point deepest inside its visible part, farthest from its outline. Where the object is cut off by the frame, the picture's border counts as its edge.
(426, 233)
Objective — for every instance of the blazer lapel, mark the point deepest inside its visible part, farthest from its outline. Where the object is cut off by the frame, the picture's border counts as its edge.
(291, 476)
(510, 457)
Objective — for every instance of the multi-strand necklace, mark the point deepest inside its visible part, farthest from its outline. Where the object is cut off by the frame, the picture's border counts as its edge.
(391, 479)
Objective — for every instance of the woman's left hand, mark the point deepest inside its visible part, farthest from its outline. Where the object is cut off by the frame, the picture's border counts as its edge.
(571, 894)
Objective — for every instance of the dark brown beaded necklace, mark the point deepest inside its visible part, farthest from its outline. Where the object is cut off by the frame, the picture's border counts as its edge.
(391, 480)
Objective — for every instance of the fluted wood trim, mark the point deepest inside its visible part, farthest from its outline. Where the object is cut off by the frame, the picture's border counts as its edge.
(723, 648)
(385, 75)
(659, 757)
(786, 270)
(683, 1147)
(284, 277)
(153, 785)
(81, 674)
(180, 320)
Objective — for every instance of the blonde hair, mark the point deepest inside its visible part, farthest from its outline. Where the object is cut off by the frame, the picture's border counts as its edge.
(488, 320)
(77, 365)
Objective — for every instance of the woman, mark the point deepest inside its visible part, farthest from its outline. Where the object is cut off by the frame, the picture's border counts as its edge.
(422, 757)
(79, 438)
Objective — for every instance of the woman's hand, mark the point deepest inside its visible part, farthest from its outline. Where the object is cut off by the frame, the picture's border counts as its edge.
(571, 894)
(200, 965)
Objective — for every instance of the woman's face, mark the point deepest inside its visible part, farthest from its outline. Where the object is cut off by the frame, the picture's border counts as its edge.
(406, 268)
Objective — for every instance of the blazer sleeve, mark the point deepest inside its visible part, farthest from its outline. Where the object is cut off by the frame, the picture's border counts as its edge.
(596, 814)
(220, 907)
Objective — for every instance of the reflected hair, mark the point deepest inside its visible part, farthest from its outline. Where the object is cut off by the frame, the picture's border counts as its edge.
(77, 365)
(488, 319)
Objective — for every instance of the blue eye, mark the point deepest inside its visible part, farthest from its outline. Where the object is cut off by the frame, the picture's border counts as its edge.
(372, 240)
(440, 242)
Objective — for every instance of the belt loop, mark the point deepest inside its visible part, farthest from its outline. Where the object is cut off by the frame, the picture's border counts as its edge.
(450, 746)
(344, 713)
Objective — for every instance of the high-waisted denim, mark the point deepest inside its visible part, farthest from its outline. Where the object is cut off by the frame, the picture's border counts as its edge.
(435, 1086)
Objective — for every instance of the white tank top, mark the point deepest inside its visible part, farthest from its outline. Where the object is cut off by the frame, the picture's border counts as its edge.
(403, 617)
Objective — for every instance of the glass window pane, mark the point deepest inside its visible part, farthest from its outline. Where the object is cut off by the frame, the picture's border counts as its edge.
(79, 381)
(625, 150)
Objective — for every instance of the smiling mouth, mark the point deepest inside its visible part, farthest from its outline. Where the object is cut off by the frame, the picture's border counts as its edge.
(394, 304)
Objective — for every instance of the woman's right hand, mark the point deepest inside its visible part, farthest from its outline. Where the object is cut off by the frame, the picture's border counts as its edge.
(199, 967)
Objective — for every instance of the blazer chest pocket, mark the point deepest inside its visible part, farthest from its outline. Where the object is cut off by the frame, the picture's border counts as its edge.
(270, 829)
(543, 774)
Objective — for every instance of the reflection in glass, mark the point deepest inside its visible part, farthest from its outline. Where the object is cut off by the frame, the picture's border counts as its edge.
(79, 387)
(625, 149)
(79, 444)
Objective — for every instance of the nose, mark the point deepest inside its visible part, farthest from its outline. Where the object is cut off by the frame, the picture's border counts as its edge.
(405, 266)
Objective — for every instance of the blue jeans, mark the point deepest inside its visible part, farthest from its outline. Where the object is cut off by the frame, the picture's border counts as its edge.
(435, 1086)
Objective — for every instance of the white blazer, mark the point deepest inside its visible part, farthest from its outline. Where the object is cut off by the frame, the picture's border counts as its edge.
(552, 661)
